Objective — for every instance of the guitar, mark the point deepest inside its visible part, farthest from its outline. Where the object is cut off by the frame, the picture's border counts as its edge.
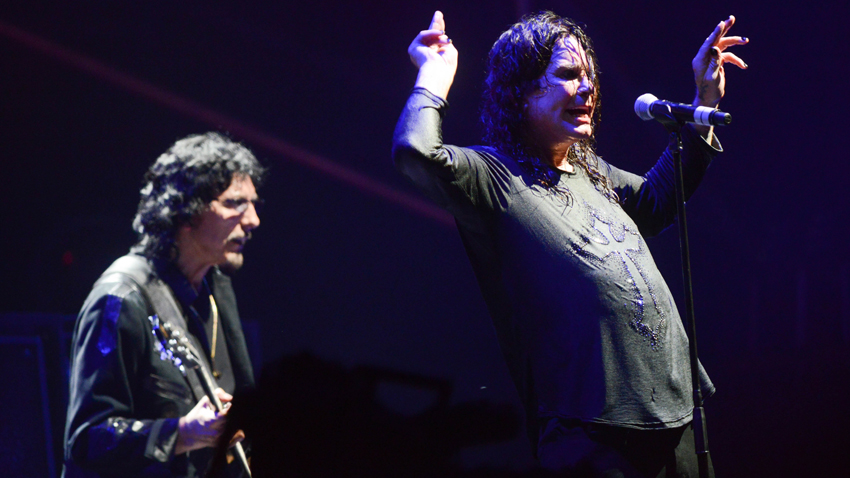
(175, 347)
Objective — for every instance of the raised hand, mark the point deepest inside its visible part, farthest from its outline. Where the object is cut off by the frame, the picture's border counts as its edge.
(708, 64)
(435, 56)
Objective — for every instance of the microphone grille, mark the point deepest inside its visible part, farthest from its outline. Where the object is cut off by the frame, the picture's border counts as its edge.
(642, 105)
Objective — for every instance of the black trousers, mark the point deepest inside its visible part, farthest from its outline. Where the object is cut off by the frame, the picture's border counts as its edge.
(577, 449)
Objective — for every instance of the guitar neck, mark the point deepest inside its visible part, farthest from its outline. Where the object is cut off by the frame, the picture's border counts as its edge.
(209, 385)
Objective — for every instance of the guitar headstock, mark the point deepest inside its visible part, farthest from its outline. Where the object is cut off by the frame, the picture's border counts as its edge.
(172, 345)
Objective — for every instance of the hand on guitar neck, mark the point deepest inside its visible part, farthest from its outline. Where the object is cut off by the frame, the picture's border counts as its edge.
(202, 426)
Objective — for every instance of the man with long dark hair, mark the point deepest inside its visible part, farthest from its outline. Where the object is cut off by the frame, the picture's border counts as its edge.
(132, 413)
(586, 323)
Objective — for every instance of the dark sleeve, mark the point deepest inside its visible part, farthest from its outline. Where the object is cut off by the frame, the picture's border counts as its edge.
(650, 200)
(105, 430)
(461, 180)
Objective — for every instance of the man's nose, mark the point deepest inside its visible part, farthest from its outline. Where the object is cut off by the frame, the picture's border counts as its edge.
(586, 86)
(250, 218)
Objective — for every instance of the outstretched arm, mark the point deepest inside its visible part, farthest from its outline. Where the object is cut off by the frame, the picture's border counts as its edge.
(709, 73)
(435, 56)
(458, 179)
(650, 200)
(417, 141)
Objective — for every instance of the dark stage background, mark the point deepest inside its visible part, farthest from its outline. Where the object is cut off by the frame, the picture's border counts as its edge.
(92, 92)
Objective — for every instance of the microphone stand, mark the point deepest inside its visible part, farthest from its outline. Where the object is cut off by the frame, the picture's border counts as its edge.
(674, 127)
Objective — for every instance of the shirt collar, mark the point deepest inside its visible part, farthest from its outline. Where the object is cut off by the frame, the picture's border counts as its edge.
(171, 275)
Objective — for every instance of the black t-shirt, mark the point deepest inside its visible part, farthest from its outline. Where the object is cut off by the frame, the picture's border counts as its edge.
(586, 322)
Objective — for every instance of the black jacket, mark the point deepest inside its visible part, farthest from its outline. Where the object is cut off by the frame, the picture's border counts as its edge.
(125, 401)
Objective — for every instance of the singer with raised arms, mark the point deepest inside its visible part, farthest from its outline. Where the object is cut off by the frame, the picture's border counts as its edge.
(555, 234)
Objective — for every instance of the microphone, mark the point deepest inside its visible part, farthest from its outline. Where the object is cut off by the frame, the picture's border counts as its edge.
(648, 107)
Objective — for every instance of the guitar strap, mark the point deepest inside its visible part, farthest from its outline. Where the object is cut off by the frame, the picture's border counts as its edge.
(161, 301)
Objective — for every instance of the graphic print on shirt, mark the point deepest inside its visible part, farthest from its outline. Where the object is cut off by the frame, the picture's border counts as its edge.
(625, 252)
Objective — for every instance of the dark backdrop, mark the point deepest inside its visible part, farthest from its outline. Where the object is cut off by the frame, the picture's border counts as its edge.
(92, 92)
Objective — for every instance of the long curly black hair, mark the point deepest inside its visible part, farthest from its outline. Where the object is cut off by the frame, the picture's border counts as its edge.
(517, 65)
(182, 183)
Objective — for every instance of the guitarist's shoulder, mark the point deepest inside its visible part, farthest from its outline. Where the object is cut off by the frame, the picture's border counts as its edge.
(114, 316)
(116, 301)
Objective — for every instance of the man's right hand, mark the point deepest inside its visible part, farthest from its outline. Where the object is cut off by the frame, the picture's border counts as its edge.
(202, 426)
(435, 56)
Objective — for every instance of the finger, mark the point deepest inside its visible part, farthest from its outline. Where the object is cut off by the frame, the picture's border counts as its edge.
(443, 43)
(203, 403)
(726, 42)
(431, 39)
(720, 31)
(734, 59)
(717, 33)
(727, 24)
(238, 437)
(223, 396)
(437, 21)
(704, 53)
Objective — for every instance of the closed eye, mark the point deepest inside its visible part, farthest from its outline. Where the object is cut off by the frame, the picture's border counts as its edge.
(240, 205)
(569, 73)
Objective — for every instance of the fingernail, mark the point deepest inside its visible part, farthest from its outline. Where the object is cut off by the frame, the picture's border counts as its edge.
(745, 39)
